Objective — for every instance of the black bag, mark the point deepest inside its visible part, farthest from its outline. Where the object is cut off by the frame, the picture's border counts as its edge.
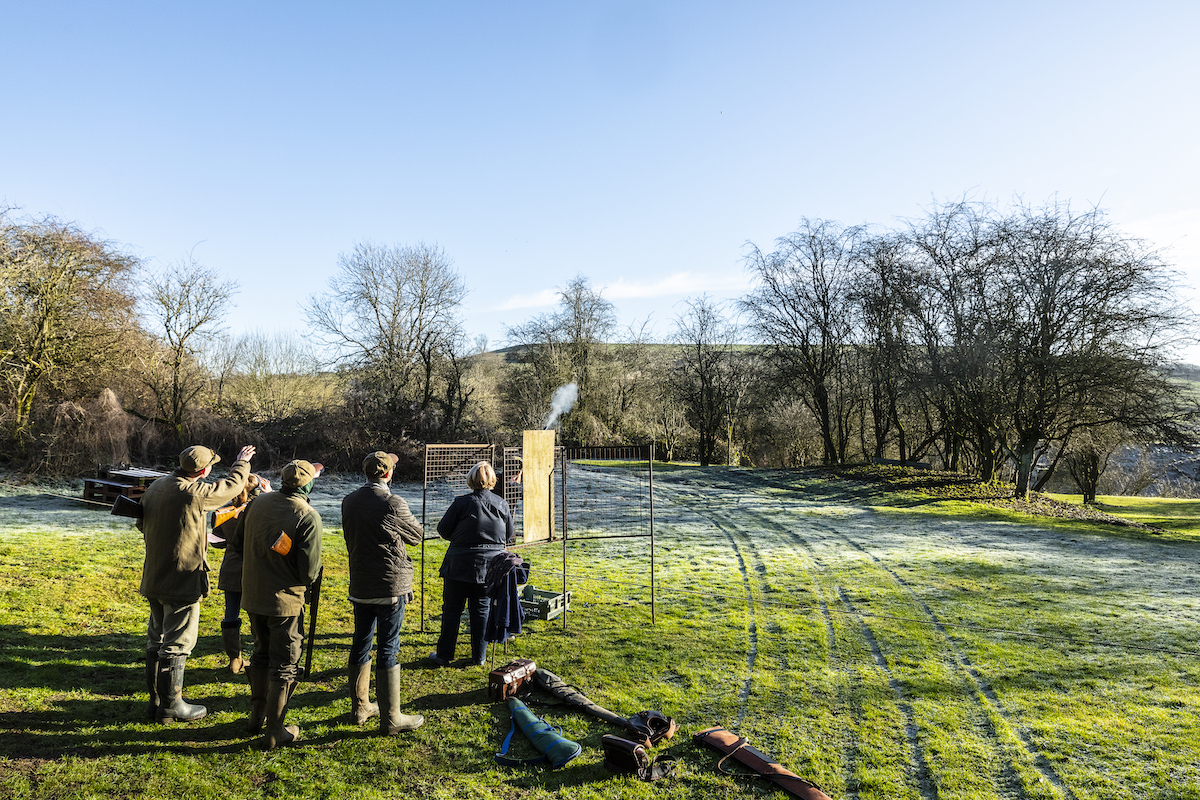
(515, 677)
(622, 755)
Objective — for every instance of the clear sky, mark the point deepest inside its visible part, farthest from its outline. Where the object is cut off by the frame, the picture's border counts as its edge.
(640, 144)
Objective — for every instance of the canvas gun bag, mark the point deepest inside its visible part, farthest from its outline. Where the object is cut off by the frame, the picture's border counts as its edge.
(647, 728)
(762, 765)
(622, 755)
(515, 677)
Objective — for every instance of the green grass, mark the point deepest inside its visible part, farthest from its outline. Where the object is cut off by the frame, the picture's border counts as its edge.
(883, 641)
(1180, 516)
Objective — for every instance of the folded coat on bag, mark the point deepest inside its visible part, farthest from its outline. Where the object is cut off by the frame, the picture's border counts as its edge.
(505, 572)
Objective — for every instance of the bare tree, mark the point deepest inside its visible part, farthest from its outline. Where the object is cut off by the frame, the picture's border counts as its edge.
(275, 376)
(801, 310)
(188, 302)
(65, 310)
(884, 295)
(1083, 319)
(706, 378)
(570, 344)
(391, 314)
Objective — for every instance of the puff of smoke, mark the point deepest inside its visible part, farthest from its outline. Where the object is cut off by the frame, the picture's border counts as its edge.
(564, 401)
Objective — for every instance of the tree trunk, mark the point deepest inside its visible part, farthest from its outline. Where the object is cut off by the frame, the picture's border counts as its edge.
(1026, 448)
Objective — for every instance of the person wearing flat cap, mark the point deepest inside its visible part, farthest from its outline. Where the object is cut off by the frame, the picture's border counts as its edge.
(174, 525)
(279, 539)
(377, 525)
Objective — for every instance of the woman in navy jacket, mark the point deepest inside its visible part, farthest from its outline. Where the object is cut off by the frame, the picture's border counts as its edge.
(479, 526)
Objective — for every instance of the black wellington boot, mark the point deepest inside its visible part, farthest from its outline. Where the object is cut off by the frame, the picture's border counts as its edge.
(259, 678)
(171, 705)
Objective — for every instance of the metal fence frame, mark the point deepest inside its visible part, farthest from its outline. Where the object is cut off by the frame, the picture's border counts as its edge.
(449, 460)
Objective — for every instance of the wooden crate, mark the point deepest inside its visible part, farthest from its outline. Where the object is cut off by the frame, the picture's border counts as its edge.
(543, 604)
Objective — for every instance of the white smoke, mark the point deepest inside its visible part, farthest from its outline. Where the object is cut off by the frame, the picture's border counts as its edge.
(564, 401)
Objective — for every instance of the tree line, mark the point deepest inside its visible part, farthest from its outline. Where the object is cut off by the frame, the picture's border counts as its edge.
(1006, 343)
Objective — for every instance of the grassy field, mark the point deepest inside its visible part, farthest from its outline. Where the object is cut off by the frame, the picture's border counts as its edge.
(882, 642)
(1181, 516)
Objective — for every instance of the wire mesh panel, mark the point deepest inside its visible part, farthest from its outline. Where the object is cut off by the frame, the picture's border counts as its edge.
(607, 491)
(602, 493)
(446, 468)
(512, 485)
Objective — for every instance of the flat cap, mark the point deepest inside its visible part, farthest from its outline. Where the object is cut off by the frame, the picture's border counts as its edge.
(379, 463)
(196, 458)
(299, 472)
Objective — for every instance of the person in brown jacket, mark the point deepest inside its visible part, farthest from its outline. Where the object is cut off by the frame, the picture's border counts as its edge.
(279, 536)
(377, 525)
(174, 525)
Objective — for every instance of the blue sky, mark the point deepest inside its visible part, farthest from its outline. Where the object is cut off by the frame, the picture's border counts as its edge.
(639, 144)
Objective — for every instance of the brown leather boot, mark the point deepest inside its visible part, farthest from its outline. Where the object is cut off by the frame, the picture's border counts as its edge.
(278, 734)
(361, 707)
(231, 638)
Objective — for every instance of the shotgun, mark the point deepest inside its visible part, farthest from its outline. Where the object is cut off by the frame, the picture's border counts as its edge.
(314, 605)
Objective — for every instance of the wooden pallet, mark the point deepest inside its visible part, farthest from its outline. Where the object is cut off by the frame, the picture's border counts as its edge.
(98, 490)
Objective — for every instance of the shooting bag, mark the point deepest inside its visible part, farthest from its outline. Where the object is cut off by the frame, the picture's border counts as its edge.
(515, 677)
(622, 755)
(738, 748)
(556, 750)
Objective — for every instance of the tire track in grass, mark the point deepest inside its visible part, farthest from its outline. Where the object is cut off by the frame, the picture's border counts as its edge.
(918, 764)
(1011, 780)
(1012, 784)
(911, 731)
(752, 628)
(852, 752)
(984, 695)
(704, 506)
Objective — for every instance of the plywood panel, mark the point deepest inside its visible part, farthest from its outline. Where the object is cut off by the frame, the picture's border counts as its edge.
(537, 474)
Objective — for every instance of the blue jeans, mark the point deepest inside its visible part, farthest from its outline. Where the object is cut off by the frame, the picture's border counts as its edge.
(456, 594)
(376, 621)
(233, 608)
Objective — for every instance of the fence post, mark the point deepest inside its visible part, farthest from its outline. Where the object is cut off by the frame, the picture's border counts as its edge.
(424, 503)
(564, 538)
(653, 606)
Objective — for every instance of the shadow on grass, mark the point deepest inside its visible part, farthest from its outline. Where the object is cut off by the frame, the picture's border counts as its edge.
(86, 696)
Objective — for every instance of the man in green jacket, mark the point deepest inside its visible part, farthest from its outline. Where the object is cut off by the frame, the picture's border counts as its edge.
(174, 525)
(279, 537)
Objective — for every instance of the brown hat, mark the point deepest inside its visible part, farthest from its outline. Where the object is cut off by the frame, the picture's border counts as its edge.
(379, 463)
(299, 472)
(196, 458)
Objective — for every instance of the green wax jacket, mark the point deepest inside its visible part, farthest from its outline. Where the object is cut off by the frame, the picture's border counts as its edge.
(174, 525)
(273, 584)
